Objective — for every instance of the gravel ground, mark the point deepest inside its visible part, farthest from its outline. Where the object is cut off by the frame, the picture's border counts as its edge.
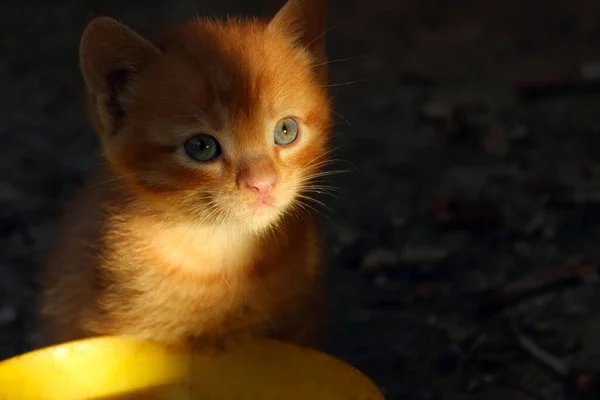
(455, 186)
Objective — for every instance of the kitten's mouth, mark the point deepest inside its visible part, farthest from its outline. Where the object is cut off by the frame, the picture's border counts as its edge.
(264, 202)
(264, 207)
(263, 210)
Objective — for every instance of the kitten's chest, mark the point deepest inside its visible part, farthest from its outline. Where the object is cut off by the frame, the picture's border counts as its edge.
(206, 281)
(193, 283)
(208, 253)
(230, 302)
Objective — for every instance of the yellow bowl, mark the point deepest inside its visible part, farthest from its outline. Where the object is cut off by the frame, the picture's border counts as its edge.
(115, 367)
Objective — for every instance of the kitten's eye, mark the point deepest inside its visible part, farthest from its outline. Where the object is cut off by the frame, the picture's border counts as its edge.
(202, 148)
(286, 131)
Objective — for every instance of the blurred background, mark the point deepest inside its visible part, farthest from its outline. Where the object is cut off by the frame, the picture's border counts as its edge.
(463, 245)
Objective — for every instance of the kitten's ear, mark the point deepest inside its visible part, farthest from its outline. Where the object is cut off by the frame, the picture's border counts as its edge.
(304, 21)
(110, 55)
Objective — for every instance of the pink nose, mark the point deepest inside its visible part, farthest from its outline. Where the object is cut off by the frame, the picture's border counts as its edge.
(261, 184)
(259, 175)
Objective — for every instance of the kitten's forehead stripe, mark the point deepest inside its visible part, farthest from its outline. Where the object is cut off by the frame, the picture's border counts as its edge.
(242, 72)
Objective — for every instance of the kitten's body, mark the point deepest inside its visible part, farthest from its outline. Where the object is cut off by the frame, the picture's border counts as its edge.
(169, 249)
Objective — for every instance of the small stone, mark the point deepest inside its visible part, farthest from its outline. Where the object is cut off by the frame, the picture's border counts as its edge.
(436, 111)
(381, 280)
(423, 291)
(459, 127)
(380, 106)
(535, 224)
(378, 259)
(449, 359)
(468, 179)
(8, 315)
(586, 382)
(495, 142)
(423, 255)
(398, 222)
(590, 70)
(459, 333)
(347, 236)
(453, 210)
(571, 344)
(353, 255)
(590, 336)
(472, 385)
(425, 394)
(551, 229)
(519, 132)
(586, 172)
(523, 249)
(415, 79)
(8, 192)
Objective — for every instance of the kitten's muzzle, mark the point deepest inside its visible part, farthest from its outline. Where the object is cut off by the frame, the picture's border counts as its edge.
(258, 176)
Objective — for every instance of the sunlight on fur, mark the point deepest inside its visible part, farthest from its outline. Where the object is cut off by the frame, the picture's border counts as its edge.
(199, 222)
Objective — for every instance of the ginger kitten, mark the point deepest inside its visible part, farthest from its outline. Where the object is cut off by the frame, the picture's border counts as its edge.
(212, 135)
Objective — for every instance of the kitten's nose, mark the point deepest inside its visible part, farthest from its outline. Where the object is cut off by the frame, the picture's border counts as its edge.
(259, 178)
(262, 184)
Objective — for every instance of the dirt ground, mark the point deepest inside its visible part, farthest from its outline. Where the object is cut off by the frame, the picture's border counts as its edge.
(456, 186)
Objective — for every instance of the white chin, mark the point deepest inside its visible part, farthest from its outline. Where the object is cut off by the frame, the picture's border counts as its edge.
(263, 217)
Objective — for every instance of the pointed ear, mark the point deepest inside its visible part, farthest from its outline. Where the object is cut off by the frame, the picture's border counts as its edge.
(110, 55)
(304, 22)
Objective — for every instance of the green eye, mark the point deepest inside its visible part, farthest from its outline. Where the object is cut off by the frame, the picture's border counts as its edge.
(202, 148)
(286, 131)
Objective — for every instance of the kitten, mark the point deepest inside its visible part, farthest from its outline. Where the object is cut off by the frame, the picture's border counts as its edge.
(212, 135)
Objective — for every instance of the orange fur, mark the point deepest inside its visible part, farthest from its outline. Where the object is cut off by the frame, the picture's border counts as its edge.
(170, 249)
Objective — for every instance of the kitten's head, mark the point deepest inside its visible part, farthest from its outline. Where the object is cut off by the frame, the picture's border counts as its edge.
(220, 121)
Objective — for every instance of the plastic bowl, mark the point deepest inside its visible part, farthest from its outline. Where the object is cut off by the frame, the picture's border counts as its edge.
(115, 367)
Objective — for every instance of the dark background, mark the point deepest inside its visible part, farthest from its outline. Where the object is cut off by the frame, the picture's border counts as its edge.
(456, 186)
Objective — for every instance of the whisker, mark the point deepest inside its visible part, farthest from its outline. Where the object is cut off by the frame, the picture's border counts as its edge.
(317, 202)
(327, 31)
(325, 156)
(322, 187)
(344, 83)
(305, 204)
(339, 60)
(116, 178)
(297, 210)
(318, 167)
(328, 173)
(342, 118)
(282, 89)
(323, 161)
(324, 193)
(334, 196)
